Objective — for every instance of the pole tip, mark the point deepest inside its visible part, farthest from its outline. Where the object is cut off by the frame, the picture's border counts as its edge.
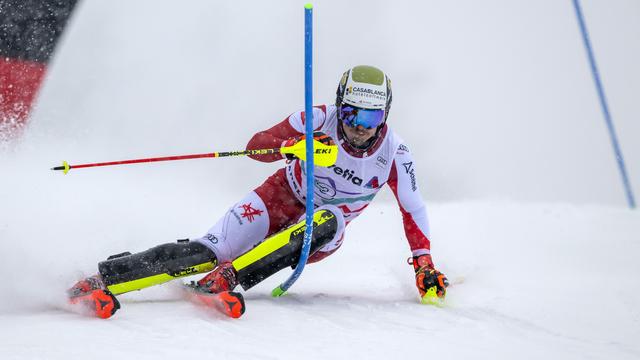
(308, 6)
(277, 292)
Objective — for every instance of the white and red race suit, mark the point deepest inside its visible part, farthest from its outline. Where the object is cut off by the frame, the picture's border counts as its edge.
(346, 187)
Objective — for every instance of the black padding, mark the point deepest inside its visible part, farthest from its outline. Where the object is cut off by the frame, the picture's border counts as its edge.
(172, 259)
(118, 255)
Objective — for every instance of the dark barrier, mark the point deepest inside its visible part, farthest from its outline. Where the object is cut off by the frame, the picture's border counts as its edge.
(29, 31)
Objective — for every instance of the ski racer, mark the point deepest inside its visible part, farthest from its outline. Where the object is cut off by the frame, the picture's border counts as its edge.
(258, 236)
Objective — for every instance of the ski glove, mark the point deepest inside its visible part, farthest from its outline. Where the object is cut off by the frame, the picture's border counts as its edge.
(431, 283)
(317, 135)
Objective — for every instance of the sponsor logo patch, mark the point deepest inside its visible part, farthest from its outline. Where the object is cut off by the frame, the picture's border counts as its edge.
(408, 167)
(323, 151)
(366, 93)
(184, 272)
(346, 174)
(212, 238)
(325, 190)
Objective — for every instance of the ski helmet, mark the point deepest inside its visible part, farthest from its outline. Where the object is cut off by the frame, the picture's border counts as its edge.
(365, 88)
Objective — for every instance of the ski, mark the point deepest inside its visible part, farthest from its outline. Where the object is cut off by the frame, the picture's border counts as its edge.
(100, 303)
(229, 303)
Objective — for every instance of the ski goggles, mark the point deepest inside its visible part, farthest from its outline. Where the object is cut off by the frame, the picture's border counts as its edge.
(353, 116)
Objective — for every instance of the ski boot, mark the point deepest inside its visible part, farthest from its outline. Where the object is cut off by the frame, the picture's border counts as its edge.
(92, 294)
(215, 289)
(222, 278)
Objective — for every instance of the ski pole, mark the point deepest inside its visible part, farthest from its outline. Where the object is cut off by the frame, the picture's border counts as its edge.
(324, 155)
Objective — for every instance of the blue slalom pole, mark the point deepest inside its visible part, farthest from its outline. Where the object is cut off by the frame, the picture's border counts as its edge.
(603, 104)
(308, 109)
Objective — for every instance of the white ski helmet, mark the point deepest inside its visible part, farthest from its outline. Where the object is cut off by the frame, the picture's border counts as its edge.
(365, 87)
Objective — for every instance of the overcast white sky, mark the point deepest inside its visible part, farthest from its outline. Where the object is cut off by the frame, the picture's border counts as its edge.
(495, 98)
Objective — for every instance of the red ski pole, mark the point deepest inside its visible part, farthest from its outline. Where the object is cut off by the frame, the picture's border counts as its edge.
(325, 155)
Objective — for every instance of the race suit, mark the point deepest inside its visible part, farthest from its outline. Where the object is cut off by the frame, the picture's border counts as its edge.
(345, 188)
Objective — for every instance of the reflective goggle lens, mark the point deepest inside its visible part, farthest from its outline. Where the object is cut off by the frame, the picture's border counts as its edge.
(368, 118)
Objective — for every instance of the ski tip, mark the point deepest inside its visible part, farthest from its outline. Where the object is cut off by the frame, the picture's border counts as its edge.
(277, 292)
(233, 302)
(99, 303)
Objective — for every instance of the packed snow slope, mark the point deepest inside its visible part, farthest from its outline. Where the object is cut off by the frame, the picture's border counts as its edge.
(526, 209)
(530, 281)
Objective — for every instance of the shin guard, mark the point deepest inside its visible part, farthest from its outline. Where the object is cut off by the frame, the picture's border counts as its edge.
(283, 249)
(127, 272)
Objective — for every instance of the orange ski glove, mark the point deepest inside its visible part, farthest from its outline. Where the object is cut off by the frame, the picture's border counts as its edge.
(431, 283)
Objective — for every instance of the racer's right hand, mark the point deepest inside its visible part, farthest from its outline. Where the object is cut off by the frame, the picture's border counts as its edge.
(317, 135)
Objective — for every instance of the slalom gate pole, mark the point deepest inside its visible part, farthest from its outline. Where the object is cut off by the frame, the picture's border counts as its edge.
(605, 107)
(308, 109)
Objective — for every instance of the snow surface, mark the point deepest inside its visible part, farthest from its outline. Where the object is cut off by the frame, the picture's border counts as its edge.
(530, 281)
(552, 281)
(554, 276)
